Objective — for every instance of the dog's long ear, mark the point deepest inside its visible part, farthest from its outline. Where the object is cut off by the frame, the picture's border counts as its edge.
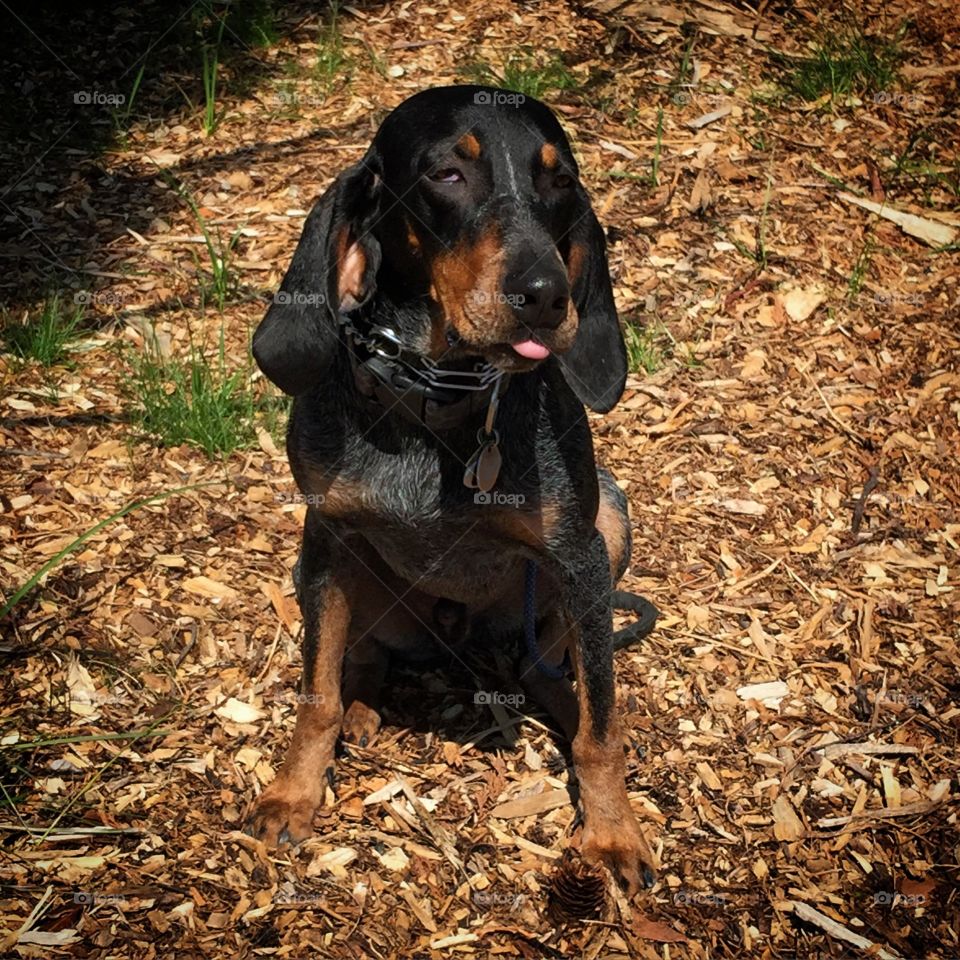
(595, 367)
(334, 268)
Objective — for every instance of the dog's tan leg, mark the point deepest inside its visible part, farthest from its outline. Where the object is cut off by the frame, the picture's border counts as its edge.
(613, 522)
(285, 811)
(611, 833)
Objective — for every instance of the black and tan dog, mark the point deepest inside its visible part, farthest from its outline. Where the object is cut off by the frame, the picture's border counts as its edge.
(446, 316)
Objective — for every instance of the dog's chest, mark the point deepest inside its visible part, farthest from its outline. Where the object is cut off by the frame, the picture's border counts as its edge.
(425, 525)
(458, 564)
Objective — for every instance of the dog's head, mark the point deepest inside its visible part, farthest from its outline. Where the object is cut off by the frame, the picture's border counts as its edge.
(468, 204)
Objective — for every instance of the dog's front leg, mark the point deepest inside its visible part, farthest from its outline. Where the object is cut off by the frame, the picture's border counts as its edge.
(285, 811)
(611, 833)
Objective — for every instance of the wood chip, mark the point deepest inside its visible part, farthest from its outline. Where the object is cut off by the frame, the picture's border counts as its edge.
(839, 932)
(786, 824)
(531, 804)
(929, 231)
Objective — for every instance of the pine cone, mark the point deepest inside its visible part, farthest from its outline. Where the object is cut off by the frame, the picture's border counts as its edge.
(578, 891)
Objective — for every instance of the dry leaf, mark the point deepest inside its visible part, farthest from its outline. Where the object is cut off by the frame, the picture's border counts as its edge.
(238, 711)
(801, 302)
(753, 365)
(286, 608)
(658, 932)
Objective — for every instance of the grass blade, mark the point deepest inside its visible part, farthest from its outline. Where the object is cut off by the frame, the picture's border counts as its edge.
(84, 537)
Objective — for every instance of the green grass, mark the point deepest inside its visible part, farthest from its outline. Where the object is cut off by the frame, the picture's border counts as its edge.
(219, 280)
(927, 176)
(121, 117)
(253, 22)
(760, 253)
(44, 335)
(224, 281)
(332, 65)
(860, 268)
(525, 71)
(211, 61)
(684, 73)
(332, 60)
(918, 166)
(377, 63)
(200, 400)
(652, 178)
(75, 545)
(655, 164)
(843, 61)
(755, 132)
(645, 353)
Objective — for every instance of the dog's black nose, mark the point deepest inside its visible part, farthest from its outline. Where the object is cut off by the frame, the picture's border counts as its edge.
(538, 296)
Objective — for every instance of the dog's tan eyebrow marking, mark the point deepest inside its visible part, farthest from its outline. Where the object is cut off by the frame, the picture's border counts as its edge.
(576, 259)
(469, 146)
(412, 237)
(549, 156)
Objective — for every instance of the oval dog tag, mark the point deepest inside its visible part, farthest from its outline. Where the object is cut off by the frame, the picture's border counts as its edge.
(488, 467)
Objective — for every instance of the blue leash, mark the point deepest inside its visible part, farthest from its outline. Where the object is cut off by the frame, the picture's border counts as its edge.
(530, 627)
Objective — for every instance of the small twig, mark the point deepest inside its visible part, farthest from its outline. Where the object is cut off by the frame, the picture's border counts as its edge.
(31, 452)
(830, 413)
(416, 44)
(790, 572)
(861, 503)
(832, 750)
(871, 606)
(881, 815)
(805, 912)
(72, 833)
(865, 627)
(89, 738)
(439, 835)
(273, 649)
(40, 908)
(190, 645)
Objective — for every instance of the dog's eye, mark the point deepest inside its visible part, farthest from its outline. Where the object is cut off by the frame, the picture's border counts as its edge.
(447, 175)
(562, 181)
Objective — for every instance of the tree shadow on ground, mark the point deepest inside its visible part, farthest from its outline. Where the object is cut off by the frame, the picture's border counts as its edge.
(76, 81)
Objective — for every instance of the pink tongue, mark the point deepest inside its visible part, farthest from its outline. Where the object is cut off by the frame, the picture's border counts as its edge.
(531, 350)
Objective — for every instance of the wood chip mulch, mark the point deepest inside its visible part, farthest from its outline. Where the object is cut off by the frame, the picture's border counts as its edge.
(792, 467)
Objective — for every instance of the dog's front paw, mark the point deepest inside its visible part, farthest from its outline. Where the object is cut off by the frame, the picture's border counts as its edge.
(283, 814)
(621, 847)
